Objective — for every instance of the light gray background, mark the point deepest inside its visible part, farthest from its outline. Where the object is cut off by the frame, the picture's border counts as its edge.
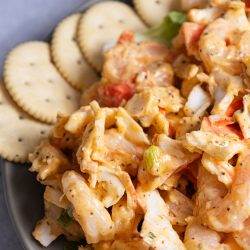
(23, 20)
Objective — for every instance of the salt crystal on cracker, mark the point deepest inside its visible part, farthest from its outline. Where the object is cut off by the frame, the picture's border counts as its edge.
(67, 55)
(35, 84)
(153, 11)
(101, 24)
(19, 133)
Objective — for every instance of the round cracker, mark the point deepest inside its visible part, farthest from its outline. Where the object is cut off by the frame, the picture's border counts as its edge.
(67, 55)
(153, 11)
(35, 84)
(103, 23)
(19, 133)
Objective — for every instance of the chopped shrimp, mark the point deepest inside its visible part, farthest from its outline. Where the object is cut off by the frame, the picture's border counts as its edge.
(243, 117)
(225, 216)
(218, 42)
(180, 207)
(199, 237)
(123, 62)
(109, 188)
(222, 169)
(125, 219)
(90, 213)
(155, 74)
(222, 148)
(156, 229)
(48, 161)
(209, 192)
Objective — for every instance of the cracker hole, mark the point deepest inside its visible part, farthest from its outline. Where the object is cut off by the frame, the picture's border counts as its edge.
(121, 21)
(157, 1)
(1, 103)
(50, 81)
(20, 139)
(74, 39)
(47, 100)
(42, 132)
(26, 83)
(21, 117)
(68, 97)
(79, 61)
(32, 64)
(17, 155)
(100, 26)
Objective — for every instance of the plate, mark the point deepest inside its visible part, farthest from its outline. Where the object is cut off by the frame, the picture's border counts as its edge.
(24, 195)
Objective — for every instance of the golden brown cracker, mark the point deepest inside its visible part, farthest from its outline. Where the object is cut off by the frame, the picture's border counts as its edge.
(35, 84)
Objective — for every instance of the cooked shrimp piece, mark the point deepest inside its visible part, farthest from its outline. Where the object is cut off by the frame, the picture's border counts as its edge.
(43, 232)
(184, 69)
(150, 105)
(56, 197)
(222, 169)
(243, 118)
(209, 192)
(218, 42)
(48, 161)
(222, 148)
(125, 219)
(123, 62)
(186, 125)
(180, 207)
(225, 216)
(50, 227)
(109, 188)
(242, 237)
(156, 229)
(90, 213)
(199, 237)
(155, 74)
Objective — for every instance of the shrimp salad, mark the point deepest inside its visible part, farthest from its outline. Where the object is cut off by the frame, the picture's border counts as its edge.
(158, 156)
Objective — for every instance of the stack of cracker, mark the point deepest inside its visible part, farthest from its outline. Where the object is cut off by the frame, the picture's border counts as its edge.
(43, 79)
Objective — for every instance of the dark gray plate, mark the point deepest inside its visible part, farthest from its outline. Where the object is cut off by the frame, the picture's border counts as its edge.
(24, 195)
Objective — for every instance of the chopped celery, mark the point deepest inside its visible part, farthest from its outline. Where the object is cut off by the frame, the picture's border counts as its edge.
(152, 160)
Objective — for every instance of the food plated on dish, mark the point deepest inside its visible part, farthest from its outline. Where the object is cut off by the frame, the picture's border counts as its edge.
(143, 142)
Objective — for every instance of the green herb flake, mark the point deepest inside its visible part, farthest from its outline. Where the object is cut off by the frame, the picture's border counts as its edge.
(151, 235)
(64, 219)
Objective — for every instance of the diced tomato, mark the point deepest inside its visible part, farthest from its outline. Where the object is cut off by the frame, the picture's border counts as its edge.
(235, 105)
(126, 36)
(114, 93)
(192, 33)
(247, 5)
